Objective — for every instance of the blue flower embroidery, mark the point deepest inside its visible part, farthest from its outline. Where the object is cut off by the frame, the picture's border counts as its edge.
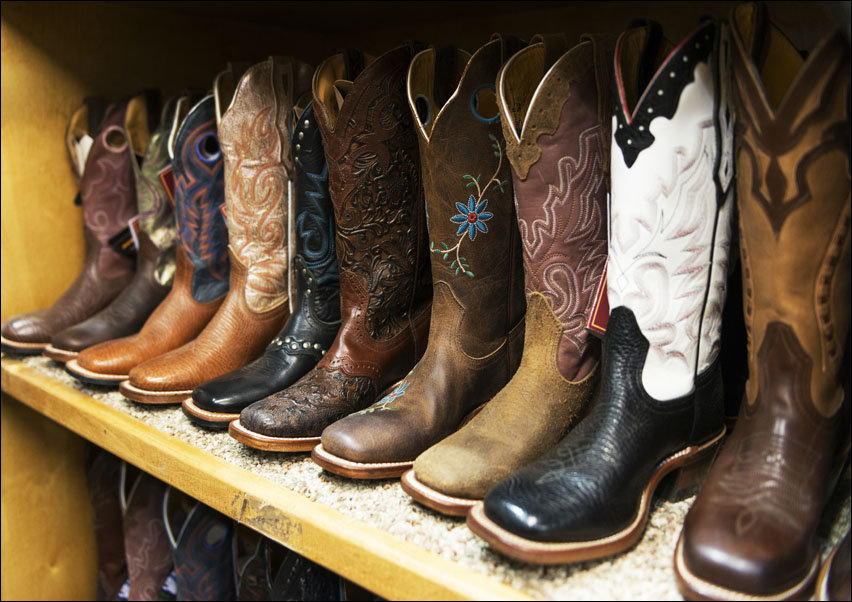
(472, 217)
(387, 400)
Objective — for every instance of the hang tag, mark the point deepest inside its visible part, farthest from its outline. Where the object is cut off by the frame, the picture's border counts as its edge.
(126, 241)
(167, 179)
(133, 224)
(599, 316)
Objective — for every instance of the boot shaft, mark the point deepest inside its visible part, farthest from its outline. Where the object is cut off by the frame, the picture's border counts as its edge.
(474, 242)
(793, 138)
(255, 136)
(375, 186)
(199, 196)
(555, 103)
(672, 198)
(83, 127)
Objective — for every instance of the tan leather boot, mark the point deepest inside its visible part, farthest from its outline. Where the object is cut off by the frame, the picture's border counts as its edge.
(255, 141)
(555, 106)
(752, 531)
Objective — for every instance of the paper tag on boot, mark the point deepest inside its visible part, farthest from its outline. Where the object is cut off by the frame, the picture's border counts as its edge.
(599, 316)
(126, 241)
(167, 179)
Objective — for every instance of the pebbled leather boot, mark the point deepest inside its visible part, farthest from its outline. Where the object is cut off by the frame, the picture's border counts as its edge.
(660, 405)
(105, 189)
(555, 108)
(201, 260)
(385, 288)
(255, 140)
(153, 232)
(315, 320)
(752, 531)
(476, 331)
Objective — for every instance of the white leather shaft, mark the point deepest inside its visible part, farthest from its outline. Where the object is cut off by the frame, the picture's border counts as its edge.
(663, 231)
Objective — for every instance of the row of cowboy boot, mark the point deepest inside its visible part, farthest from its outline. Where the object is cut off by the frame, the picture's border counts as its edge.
(200, 279)
(547, 89)
(254, 139)
(380, 232)
(660, 405)
(752, 530)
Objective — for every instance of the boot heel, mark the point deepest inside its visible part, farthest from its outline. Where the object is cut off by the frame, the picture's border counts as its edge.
(687, 480)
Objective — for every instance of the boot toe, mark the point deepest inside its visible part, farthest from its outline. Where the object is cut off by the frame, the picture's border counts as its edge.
(267, 417)
(27, 328)
(457, 471)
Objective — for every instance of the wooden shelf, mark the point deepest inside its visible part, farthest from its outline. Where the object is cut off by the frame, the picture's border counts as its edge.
(387, 565)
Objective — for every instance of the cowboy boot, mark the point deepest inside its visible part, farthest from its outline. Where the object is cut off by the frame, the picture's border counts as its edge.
(146, 544)
(154, 233)
(385, 292)
(316, 309)
(102, 480)
(660, 405)
(252, 565)
(560, 195)
(201, 262)
(200, 540)
(752, 530)
(104, 193)
(476, 331)
(255, 142)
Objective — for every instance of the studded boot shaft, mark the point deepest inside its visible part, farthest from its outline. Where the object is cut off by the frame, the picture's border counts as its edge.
(374, 182)
(753, 529)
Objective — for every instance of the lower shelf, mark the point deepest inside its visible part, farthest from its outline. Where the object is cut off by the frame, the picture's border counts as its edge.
(369, 532)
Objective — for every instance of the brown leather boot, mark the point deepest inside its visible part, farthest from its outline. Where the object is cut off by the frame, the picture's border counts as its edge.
(752, 531)
(555, 106)
(101, 160)
(385, 291)
(153, 231)
(201, 262)
(255, 140)
(476, 331)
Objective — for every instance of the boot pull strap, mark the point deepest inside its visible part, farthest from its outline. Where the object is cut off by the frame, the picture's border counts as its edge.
(509, 45)
(650, 49)
(555, 45)
(445, 73)
(603, 46)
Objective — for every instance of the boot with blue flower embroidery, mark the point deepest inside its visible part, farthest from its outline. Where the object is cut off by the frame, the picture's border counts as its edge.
(477, 326)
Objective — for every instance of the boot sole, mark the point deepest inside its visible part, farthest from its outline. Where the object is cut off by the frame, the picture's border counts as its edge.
(59, 355)
(538, 552)
(694, 587)
(151, 397)
(21, 348)
(266, 443)
(211, 420)
(358, 470)
(431, 498)
(93, 378)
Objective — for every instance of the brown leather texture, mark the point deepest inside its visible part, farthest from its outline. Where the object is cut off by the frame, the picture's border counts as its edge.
(476, 333)
(146, 543)
(376, 191)
(234, 336)
(560, 194)
(753, 528)
(109, 200)
(175, 322)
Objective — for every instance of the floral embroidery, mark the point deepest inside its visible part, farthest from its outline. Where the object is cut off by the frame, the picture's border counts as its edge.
(471, 218)
(387, 400)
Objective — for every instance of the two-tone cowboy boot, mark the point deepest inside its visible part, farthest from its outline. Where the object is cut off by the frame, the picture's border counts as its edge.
(752, 532)
(255, 141)
(315, 320)
(660, 406)
(154, 233)
(555, 107)
(200, 278)
(476, 331)
(385, 287)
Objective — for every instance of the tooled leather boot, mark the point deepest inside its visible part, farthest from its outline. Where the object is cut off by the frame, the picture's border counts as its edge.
(255, 141)
(201, 260)
(315, 320)
(476, 331)
(555, 108)
(385, 290)
(660, 406)
(109, 186)
(105, 189)
(154, 233)
(752, 531)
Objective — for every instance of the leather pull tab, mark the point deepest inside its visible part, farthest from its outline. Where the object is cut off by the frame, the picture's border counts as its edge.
(555, 45)
(509, 45)
(353, 62)
(445, 73)
(650, 49)
(95, 111)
